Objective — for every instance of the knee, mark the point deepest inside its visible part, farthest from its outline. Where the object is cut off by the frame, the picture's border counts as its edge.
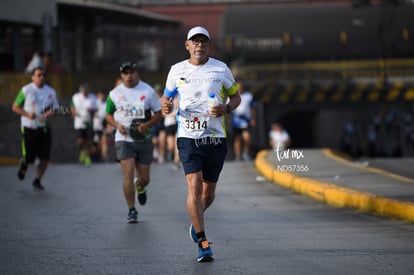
(144, 181)
(208, 198)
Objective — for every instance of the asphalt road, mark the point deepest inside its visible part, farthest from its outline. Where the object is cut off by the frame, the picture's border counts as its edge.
(77, 226)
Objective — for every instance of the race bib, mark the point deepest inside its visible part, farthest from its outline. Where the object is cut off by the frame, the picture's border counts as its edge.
(194, 121)
(135, 110)
(131, 111)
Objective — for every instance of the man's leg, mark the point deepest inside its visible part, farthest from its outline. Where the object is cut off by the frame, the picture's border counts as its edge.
(143, 172)
(237, 146)
(41, 168)
(80, 142)
(246, 144)
(127, 166)
(129, 188)
(26, 155)
(194, 203)
(200, 196)
(42, 149)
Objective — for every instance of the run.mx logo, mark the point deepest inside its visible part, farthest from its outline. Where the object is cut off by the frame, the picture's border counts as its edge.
(282, 153)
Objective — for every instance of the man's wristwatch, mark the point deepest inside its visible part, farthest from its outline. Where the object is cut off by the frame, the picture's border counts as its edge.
(229, 108)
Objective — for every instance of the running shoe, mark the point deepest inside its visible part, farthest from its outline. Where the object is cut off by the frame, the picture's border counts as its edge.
(176, 166)
(87, 161)
(204, 251)
(193, 234)
(37, 185)
(141, 194)
(132, 216)
(22, 171)
(82, 156)
(246, 157)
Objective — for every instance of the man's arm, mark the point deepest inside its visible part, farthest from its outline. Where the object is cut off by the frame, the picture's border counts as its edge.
(167, 104)
(155, 118)
(222, 109)
(234, 102)
(110, 109)
(17, 106)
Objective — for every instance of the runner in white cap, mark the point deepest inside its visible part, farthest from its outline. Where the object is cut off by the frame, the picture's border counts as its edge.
(201, 133)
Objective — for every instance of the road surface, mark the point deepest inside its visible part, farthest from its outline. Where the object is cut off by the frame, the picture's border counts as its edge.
(77, 226)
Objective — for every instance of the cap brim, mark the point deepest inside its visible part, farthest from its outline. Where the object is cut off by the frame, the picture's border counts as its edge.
(198, 34)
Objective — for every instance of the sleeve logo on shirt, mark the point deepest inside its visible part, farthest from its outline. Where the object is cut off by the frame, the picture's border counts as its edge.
(142, 98)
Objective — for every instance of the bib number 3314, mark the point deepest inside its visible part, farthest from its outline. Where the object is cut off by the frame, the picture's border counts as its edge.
(197, 123)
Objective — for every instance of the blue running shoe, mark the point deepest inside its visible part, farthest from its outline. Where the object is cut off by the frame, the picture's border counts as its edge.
(204, 252)
(193, 234)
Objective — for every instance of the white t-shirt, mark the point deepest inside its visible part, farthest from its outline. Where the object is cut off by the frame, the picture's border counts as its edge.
(83, 105)
(246, 103)
(127, 104)
(279, 138)
(99, 115)
(242, 114)
(35, 100)
(194, 84)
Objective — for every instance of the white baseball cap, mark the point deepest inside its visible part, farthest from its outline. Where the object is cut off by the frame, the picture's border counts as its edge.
(197, 30)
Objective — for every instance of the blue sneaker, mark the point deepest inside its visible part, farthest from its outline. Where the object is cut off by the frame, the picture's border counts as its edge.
(193, 234)
(204, 252)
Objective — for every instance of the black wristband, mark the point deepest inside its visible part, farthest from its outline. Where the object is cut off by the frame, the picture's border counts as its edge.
(229, 108)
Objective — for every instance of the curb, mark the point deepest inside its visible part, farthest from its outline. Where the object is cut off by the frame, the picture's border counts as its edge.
(334, 195)
(8, 161)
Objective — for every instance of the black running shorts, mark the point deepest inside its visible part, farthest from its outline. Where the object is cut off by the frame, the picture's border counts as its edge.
(36, 143)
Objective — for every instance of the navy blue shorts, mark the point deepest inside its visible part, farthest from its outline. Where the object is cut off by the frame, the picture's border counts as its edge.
(157, 128)
(205, 154)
